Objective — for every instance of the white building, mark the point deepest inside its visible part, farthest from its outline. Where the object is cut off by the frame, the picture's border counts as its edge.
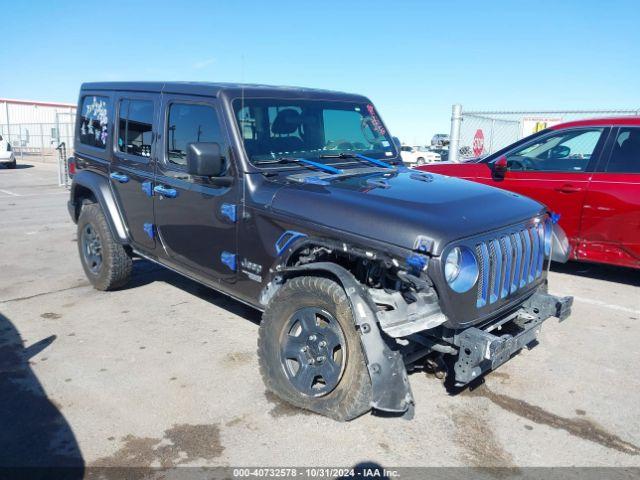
(36, 127)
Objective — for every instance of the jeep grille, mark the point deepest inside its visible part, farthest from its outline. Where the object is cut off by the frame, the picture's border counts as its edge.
(510, 261)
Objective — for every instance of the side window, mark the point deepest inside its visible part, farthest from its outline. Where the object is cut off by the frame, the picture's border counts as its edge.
(191, 123)
(625, 157)
(565, 151)
(135, 127)
(94, 121)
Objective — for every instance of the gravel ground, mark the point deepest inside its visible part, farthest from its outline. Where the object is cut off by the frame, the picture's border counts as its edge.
(164, 372)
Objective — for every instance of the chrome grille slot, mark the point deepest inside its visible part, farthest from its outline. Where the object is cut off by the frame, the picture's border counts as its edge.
(509, 262)
(517, 264)
(495, 265)
(526, 259)
(540, 229)
(535, 248)
(505, 243)
(483, 282)
(481, 270)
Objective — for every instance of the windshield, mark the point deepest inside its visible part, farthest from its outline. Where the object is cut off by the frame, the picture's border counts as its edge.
(275, 128)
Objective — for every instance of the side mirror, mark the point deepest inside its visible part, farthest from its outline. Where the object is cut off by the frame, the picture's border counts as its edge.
(500, 167)
(205, 160)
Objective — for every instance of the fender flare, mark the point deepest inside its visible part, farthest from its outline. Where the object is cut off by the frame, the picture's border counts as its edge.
(391, 391)
(101, 189)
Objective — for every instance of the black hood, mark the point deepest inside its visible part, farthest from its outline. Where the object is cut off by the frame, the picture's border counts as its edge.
(397, 207)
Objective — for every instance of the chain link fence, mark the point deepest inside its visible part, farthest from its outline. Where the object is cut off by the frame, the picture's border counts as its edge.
(37, 140)
(43, 142)
(480, 133)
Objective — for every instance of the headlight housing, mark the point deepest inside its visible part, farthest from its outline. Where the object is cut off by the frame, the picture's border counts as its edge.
(461, 269)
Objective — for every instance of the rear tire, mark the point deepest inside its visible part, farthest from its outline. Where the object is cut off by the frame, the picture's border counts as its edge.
(12, 165)
(106, 263)
(342, 396)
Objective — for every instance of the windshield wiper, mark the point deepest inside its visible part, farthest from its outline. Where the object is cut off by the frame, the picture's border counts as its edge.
(375, 161)
(304, 161)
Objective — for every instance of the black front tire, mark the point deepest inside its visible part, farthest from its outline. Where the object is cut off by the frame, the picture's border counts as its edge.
(114, 267)
(351, 397)
(12, 165)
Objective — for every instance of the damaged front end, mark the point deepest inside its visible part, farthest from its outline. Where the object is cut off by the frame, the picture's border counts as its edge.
(486, 348)
(406, 312)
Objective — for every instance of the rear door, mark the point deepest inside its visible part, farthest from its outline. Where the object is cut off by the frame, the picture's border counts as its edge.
(195, 217)
(555, 169)
(132, 167)
(611, 216)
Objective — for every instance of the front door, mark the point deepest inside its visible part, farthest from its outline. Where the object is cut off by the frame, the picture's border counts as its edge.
(555, 169)
(195, 218)
(131, 171)
(611, 216)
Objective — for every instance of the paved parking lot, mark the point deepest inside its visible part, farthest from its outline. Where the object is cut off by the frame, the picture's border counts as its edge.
(164, 372)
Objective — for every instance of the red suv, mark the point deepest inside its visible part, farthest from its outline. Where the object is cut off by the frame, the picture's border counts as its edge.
(588, 171)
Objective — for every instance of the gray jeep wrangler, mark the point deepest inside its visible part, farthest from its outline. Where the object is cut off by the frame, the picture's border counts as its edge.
(295, 201)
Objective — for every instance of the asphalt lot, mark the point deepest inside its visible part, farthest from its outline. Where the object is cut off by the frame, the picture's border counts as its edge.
(164, 372)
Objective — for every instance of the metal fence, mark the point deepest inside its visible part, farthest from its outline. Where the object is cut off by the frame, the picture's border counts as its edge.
(43, 142)
(480, 133)
(38, 139)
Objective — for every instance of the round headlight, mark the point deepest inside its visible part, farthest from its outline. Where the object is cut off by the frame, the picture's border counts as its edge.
(452, 265)
(461, 269)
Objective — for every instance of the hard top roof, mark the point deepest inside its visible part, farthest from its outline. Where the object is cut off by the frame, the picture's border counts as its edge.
(216, 89)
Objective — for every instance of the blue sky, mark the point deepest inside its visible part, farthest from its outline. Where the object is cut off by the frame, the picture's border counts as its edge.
(412, 58)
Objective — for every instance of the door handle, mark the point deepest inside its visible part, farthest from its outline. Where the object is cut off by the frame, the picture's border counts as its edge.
(165, 191)
(120, 177)
(568, 188)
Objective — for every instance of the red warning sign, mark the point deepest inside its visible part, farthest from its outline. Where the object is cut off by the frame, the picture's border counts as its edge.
(478, 143)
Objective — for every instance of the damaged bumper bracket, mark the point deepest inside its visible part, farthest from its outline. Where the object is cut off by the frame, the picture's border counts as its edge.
(481, 351)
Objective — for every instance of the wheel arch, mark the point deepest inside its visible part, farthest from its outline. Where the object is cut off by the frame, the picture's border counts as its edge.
(287, 257)
(92, 187)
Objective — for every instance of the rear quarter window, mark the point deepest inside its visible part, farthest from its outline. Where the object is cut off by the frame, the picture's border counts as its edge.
(94, 121)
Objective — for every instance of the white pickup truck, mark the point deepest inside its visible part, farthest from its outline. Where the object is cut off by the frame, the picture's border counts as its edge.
(417, 155)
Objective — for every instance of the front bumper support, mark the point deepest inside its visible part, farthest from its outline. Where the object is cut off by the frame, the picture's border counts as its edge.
(480, 350)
